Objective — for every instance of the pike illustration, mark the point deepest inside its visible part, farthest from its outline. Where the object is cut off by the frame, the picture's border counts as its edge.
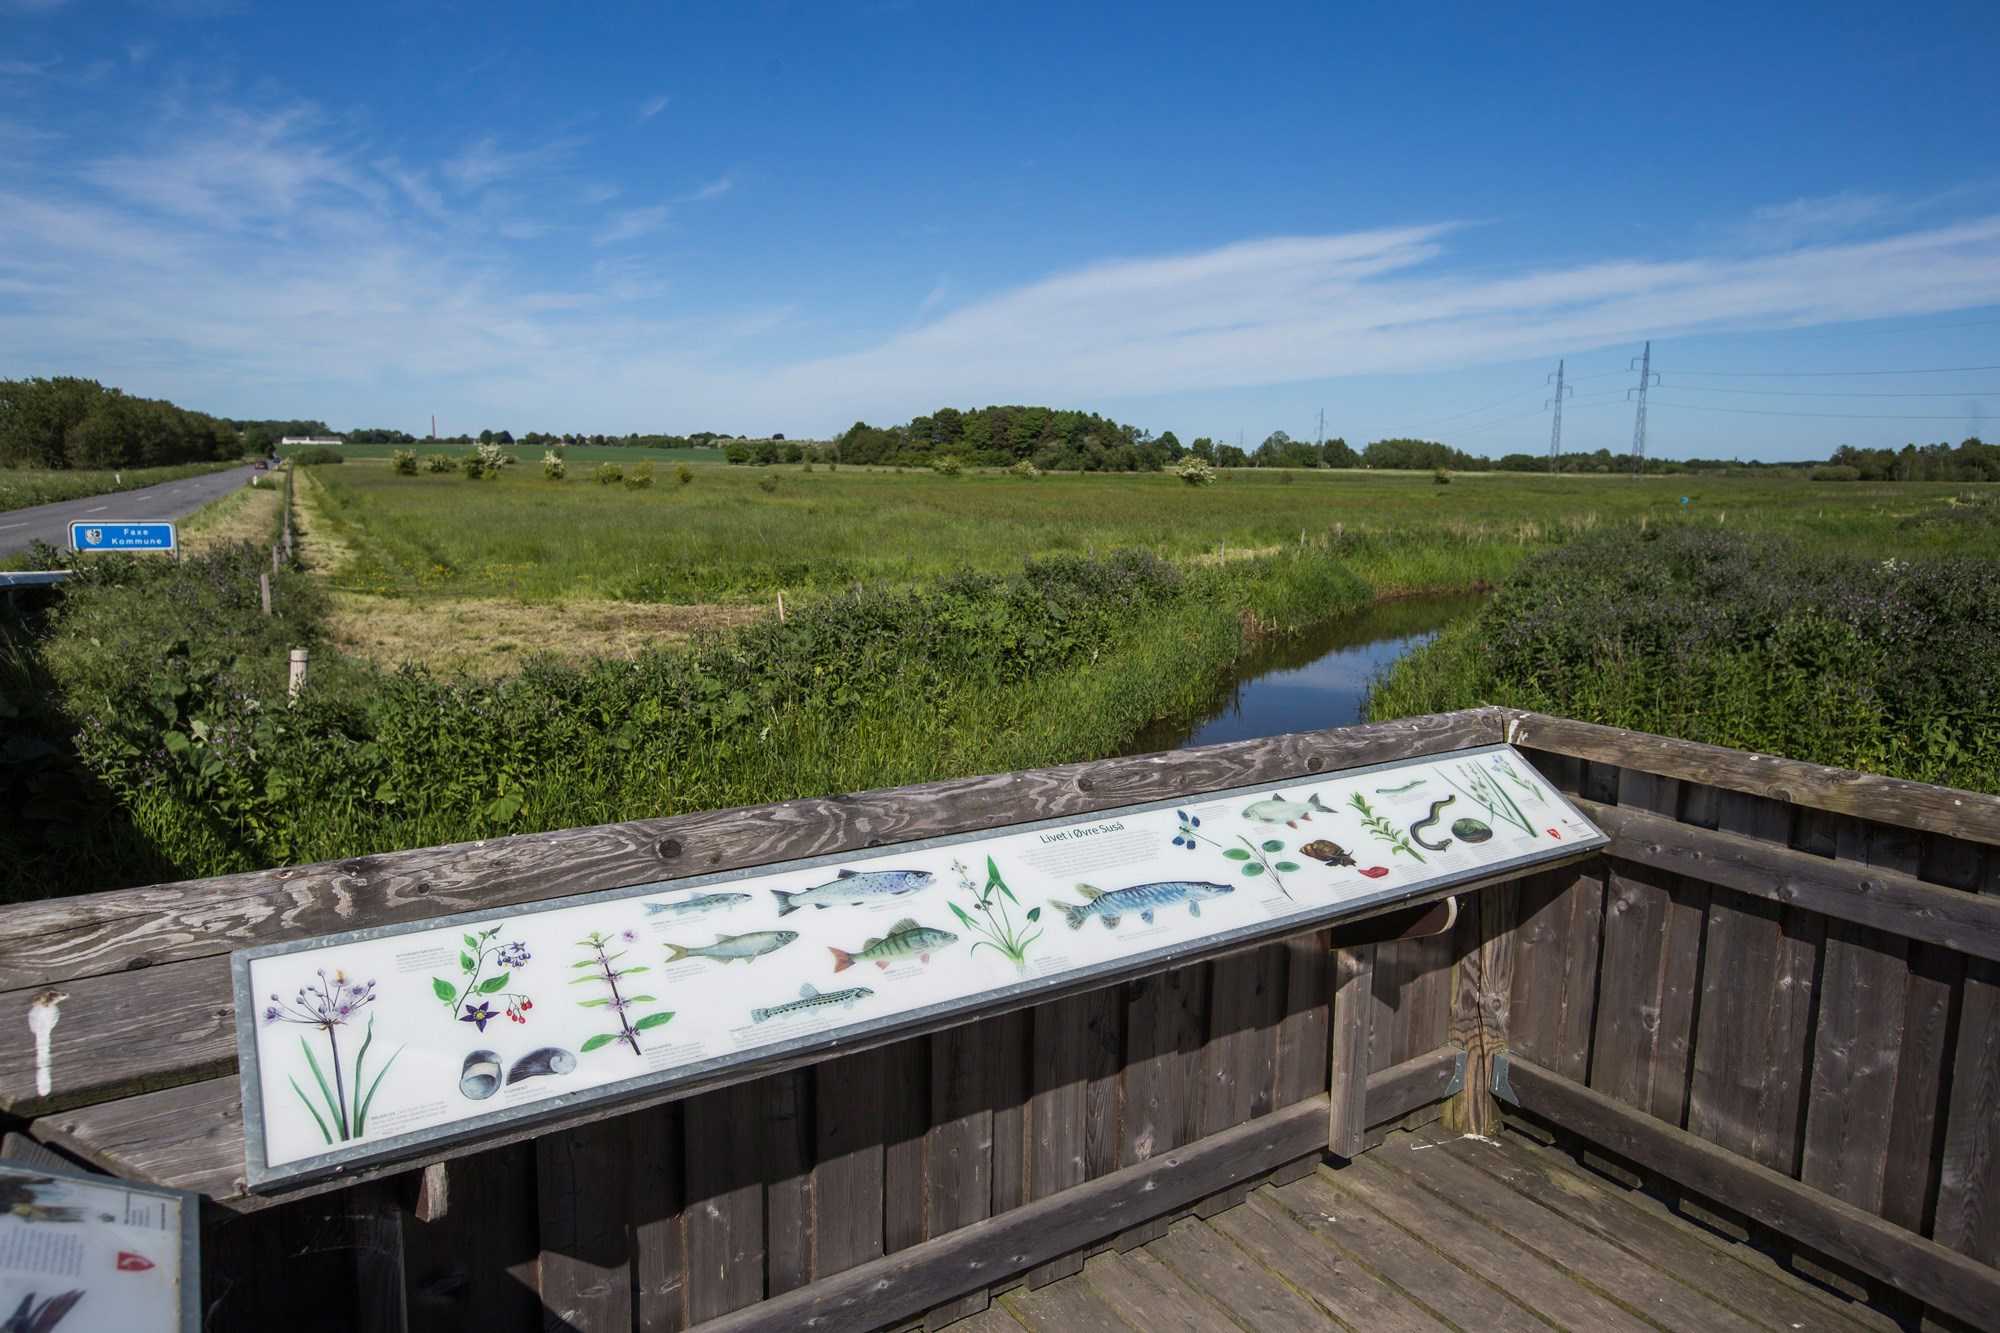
(1144, 899)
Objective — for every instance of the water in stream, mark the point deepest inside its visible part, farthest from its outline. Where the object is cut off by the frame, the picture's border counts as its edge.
(1316, 679)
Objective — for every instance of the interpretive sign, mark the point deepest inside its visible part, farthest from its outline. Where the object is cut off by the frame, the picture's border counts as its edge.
(376, 1044)
(92, 1252)
(146, 536)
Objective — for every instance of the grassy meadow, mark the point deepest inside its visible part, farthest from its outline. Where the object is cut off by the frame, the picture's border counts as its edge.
(526, 453)
(725, 537)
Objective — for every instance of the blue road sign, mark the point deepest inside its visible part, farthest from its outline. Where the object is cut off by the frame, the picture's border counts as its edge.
(122, 537)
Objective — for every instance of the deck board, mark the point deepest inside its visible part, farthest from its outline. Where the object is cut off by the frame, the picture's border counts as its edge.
(1431, 1232)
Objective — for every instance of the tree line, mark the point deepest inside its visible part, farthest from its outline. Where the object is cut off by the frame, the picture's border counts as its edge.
(67, 422)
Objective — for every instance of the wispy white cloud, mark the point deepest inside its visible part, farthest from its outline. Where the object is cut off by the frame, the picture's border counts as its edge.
(715, 189)
(632, 223)
(652, 106)
(1817, 218)
(242, 169)
(484, 161)
(138, 52)
(17, 70)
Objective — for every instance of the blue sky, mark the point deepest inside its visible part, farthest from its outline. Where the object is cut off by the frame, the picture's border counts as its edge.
(1212, 219)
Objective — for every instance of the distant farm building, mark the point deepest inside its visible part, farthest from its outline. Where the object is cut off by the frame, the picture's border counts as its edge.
(312, 439)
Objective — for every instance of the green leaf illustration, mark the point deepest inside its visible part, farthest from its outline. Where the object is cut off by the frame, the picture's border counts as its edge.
(323, 1133)
(444, 990)
(588, 962)
(650, 1021)
(601, 1039)
(1237, 854)
(1253, 870)
(465, 962)
(628, 971)
(963, 919)
(491, 984)
(333, 1106)
(471, 941)
(1034, 914)
(592, 1004)
(1273, 845)
(1285, 865)
(639, 999)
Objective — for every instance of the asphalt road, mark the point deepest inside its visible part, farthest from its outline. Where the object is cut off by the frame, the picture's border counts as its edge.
(21, 528)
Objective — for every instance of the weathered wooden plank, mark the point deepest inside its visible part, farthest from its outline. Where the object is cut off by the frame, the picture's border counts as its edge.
(43, 943)
(1446, 1168)
(1267, 1233)
(1850, 1109)
(1756, 1007)
(906, 1119)
(724, 1216)
(1922, 1268)
(1548, 1290)
(1968, 1210)
(958, 1149)
(927, 1275)
(1165, 1024)
(1303, 1031)
(1346, 1224)
(476, 1266)
(1237, 1059)
(1147, 1295)
(659, 1243)
(1652, 946)
(1347, 1061)
(788, 1198)
(584, 1218)
(1859, 892)
(1012, 1076)
(1483, 982)
(1056, 1111)
(849, 1118)
(1067, 1307)
(1916, 805)
(1555, 969)
(1256, 1297)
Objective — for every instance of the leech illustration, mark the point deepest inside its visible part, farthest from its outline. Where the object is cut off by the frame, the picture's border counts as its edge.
(1411, 785)
(905, 938)
(1417, 829)
(851, 888)
(734, 948)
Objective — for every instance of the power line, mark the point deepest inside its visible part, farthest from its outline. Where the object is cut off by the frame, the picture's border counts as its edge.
(1818, 374)
(1835, 416)
(1832, 393)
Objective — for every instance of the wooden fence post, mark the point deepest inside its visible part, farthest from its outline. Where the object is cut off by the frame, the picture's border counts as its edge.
(1347, 1063)
(300, 656)
(1482, 986)
(264, 592)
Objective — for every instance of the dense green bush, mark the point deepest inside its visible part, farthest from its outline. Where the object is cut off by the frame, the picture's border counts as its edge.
(1835, 472)
(316, 454)
(640, 477)
(1741, 640)
(609, 474)
(683, 473)
(437, 463)
(404, 462)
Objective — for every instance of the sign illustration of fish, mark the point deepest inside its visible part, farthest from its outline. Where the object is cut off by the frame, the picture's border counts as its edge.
(852, 887)
(707, 902)
(1144, 899)
(810, 999)
(906, 937)
(730, 948)
(1275, 809)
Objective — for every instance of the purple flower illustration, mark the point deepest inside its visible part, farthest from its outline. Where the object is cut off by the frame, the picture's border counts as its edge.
(477, 1015)
(467, 997)
(514, 955)
(327, 1004)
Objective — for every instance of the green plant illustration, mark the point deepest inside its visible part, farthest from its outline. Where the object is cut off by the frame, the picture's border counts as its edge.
(996, 929)
(327, 1005)
(1505, 769)
(1383, 829)
(1253, 858)
(471, 998)
(604, 971)
(1489, 795)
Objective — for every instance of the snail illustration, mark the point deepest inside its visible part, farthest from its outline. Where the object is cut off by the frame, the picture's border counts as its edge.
(1417, 829)
(480, 1078)
(1330, 853)
(1471, 830)
(543, 1060)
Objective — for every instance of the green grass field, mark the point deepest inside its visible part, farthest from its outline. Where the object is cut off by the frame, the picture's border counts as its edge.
(22, 487)
(527, 453)
(724, 537)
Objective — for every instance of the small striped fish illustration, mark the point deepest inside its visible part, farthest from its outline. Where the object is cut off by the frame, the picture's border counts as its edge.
(707, 902)
(810, 999)
(1144, 899)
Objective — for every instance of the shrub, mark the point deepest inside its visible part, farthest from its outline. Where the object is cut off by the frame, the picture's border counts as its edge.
(1440, 477)
(1024, 468)
(640, 477)
(1835, 472)
(609, 474)
(947, 465)
(767, 484)
(404, 463)
(492, 458)
(553, 466)
(437, 462)
(683, 474)
(1194, 471)
(473, 466)
(318, 453)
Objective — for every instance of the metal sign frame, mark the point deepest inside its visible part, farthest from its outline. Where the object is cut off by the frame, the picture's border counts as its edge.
(80, 530)
(187, 1201)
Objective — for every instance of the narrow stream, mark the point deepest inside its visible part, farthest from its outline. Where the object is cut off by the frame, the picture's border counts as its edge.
(1318, 679)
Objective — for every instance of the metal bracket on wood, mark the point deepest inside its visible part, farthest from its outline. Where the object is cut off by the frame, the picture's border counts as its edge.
(1457, 1084)
(1502, 1087)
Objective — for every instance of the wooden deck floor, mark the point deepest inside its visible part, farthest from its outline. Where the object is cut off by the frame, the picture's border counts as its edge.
(1431, 1233)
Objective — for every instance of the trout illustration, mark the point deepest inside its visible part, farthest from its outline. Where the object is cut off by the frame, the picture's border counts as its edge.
(853, 887)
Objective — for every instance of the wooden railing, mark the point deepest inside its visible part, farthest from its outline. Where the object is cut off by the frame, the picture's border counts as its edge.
(1773, 998)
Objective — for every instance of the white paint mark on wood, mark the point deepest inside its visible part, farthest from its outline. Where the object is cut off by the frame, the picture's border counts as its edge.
(43, 1012)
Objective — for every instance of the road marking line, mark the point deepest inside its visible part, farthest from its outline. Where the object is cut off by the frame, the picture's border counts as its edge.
(5, 526)
(100, 509)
